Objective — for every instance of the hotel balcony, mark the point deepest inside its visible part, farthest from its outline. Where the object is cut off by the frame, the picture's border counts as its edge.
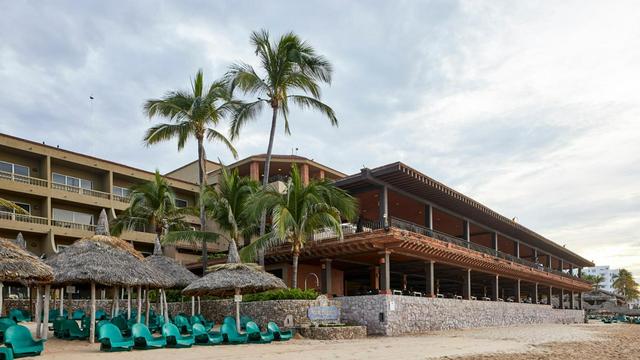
(79, 190)
(20, 222)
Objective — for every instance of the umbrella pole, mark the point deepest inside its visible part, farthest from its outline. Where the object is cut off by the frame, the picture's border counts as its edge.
(92, 324)
(160, 302)
(62, 301)
(70, 312)
(193, 306)
(117, 297)
(1, 303)
(237, 299)
(166, 307)
(45, 322)
(199, 308)
(148, 307)
(128, 302)
(38, 311)
(139, 316)
(113, 302)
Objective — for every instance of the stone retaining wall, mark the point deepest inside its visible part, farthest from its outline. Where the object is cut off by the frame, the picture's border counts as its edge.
(408, 314)
(333, 333)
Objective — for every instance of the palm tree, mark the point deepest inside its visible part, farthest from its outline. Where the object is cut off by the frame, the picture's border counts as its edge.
(595, 280)
(625, 285)
(10, 205)
(289, 64)
(193, 114)
(297, 213)
(152, 204)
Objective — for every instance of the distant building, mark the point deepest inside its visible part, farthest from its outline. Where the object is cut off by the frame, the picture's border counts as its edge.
(608, 276)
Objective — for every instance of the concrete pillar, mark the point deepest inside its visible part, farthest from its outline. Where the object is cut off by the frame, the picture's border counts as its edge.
(385, 274)
(325, 277)
(108, 186)
(49, 247)
(550, 295)
(254, 171)
(561, 298)
(304, 173)
(384, 206)
(428, 216)
(580, 301)
(466, 284)
(517, 247)
(495, 293)
(549, 261)
(321, 174)
(535, 256)
(494, 241)
(535, 297)
(375, 277)
(516, 290)
(466, 232)
(429, 274)
(573, 300)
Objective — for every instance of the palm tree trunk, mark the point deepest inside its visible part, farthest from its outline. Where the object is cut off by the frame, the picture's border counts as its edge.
(267, 164)
(294, 281)
(202, 158)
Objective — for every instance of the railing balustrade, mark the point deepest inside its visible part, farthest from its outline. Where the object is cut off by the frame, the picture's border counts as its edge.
(23, 179)
(72, 225)
(7, 215)
(79, 190)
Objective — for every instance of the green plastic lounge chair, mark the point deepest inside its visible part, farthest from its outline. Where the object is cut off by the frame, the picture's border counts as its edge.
(202, 337)
(243, 321)
(6, 353)
(58, 331)
(231, 335)
(143, 339)
(18, 315)
(229, 320)
(254, 335)
(111, 339)
(78, 314)
(182, 324)
(72, 331)
(207, 324)
(174, 338)
(18, 339)
(5, 323)
(122, 324)
(278, 334)
(195, 320)
(101, 315)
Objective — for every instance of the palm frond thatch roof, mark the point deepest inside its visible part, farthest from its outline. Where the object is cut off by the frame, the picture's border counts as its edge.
(179, 276)
(224, 279)
(20, 266)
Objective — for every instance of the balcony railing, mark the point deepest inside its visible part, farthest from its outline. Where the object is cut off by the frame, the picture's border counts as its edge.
(7, 215)
(23, 179)
(72, 225)
(79, 190)
(124, 199)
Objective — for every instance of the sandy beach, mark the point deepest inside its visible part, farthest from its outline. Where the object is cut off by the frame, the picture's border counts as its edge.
(584, 341)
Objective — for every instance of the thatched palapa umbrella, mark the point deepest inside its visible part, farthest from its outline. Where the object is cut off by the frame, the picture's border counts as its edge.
(179, 276)
(17, 265)
(105, 260)
(234, 278)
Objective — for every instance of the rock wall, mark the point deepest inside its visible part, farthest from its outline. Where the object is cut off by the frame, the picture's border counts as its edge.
(396, 315)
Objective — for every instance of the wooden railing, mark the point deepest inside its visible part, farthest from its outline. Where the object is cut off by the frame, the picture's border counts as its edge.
(6, 215)
(72, 225)
(23, 179)
(79, 190)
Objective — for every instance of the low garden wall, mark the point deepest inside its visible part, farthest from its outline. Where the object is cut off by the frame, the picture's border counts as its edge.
(393, 315)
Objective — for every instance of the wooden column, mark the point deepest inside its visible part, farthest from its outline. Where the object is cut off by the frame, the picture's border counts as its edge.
(384, 206)
(550, 296)
(325, 277)
(429, 274)
(128, 302)
(385, 274)
(45, 322)
(494, 241)
(428, 216)
(535, 293)
(254, 171)
(517, 299)
(139, 315)
(39, 311)
(495, 288)
(147, 308)
(466, 284)
(92, 324)
(517, 247)
(561, 298)
(61, 301)
(304, 174)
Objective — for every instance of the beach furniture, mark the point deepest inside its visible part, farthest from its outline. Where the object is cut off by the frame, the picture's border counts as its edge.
(18, 315)
(255, 335)
(72, 331)
(205, 322)
(243, 321)
(78, 314)
(18, 338)
(278, 334)
(6, 353)
(5, 323)
(195, 320)
(143, 339)
(231, 335)
(57, 327)
(122, 325)
(174, 338)
(101, 315)
(202, 337)
(111, 339)
(182, 324)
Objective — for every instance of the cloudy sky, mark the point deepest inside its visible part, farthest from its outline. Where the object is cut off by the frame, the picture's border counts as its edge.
(532, 108)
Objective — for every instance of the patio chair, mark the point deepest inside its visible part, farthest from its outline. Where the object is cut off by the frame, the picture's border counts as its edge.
(231, 335)
(195, 320)
(174, 338)
(202, 337)
(182, 324)
(18, 338)
(78, 314)
(72, 331)
(101, 315)
(254, 334)
(5, 323)
(143, 339)
(243, 321)
(18, 316)
(205, 322)
(278, 334)
(111, 339)
(122, 325)
(57, 327)
(6, 353)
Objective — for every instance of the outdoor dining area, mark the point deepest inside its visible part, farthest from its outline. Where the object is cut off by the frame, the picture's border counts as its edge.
(102, 261)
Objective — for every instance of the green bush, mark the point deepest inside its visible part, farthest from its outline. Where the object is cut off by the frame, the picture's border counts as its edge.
(284, 294)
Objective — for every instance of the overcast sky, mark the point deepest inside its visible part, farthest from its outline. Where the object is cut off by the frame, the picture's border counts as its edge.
(532, 108)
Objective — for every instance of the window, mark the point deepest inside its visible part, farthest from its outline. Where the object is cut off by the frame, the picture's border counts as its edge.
(14, 168)
(72, 181)
(26, 207)
(120, 191)
(181, 203)
(72, 216)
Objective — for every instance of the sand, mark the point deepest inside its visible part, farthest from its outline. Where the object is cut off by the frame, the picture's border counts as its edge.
(584, 341)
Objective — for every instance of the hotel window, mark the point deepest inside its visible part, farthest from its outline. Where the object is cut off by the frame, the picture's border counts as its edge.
(181, 203)
(24, 206)
(13, 169)
(120, 191)
(72, 181)
(72, 216)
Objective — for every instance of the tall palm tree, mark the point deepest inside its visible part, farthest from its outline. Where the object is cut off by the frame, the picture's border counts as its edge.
(10, 205)
(595, 280)
(287, 65)
(193, 114)
(152, 204)
(297, 213)
(625, 285)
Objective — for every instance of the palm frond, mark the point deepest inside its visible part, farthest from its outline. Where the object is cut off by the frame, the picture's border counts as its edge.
(309, 102)
(191, 237)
